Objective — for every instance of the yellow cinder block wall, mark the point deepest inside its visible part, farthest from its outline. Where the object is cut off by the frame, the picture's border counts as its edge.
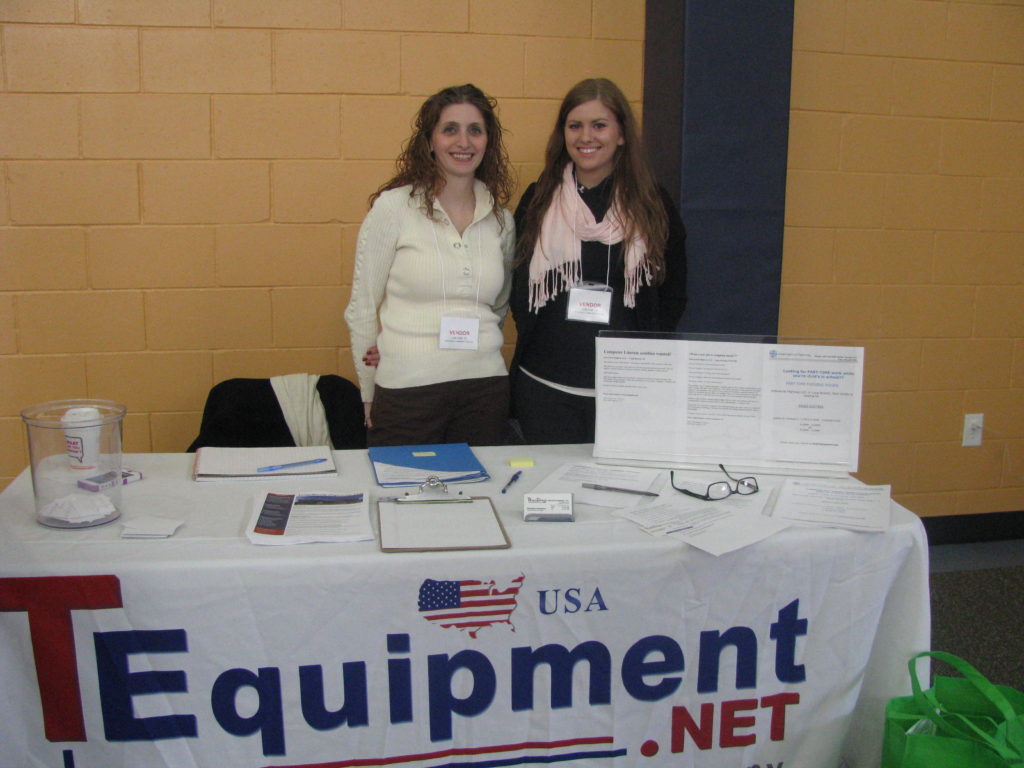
(905, 231)
(182, 184)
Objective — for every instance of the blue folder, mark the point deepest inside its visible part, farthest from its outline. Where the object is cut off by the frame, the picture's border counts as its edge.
(398, 465)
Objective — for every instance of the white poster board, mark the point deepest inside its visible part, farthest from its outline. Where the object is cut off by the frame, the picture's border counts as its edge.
(668, 401)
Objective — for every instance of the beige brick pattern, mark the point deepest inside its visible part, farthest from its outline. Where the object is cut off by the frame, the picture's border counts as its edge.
(13, 449)
(883, 256)
(832, 82)
(983, 149)
(615, 20)
(1008, 93)
(941, 89)
(932, 202)
(813, 255)
(401, 15)
(966, 364)
(103, 321)
(208, 319)
(151, 381)
(280, 13)
(261, 254)
(145, 13)
(8, 332)
(69, 59)
(73, 193)
(528, 124)
(904, 28)
(819, 198)
(376, 127)
(146, 126)
(553, 65)
(887, 464)
(173, 432)
(1018, 363)
(41, 258)
(892, 365)
(819, 26)
(948, 467)
(182, 182)
(151, 257)
(986, 32)
(815, 140)
(322, 192)
(926, 312)
(34, 125)
(207, 61)
(135, 434)
(497, 64)
(908, 417)
(276, 126)
(1002, 201)
(310, 317)
(336, 62)
(979, 257)
(999, 311)
(890, 145)
(570, 17)
(40, 11)
(834, 311)
(29, 379)
(205, 192)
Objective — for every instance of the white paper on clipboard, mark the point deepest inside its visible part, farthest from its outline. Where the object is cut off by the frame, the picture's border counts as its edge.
(472, 524)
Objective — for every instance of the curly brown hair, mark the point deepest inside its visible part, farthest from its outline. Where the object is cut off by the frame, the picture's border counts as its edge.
(416, 164)
(633, 185)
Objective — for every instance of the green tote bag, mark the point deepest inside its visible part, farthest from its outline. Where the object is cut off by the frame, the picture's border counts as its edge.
(960, 722)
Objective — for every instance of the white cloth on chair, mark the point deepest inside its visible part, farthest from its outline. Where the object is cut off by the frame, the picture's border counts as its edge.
(302, 408)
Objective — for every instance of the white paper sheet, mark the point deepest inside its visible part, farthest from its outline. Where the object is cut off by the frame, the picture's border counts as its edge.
(445, 525)
(716, 527)
(758, 406)
(837, 505)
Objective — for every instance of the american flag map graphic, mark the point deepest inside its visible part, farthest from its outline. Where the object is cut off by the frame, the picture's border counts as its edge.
(468, 605)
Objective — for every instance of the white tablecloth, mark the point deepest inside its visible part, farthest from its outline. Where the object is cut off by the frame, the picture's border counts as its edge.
(619, 649)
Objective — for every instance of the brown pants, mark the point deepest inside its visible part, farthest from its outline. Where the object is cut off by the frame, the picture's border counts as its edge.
(473, 411)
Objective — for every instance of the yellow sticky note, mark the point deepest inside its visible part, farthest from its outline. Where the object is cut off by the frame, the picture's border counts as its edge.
(521, 461)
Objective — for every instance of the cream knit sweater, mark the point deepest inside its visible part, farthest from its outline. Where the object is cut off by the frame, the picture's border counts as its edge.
(409, 271)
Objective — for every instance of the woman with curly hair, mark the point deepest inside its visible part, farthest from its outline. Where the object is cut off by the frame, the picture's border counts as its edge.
(601, 246)
(432, 279)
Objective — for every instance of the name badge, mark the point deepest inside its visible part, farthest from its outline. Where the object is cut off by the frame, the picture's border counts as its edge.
(590, 303)
(460, 332)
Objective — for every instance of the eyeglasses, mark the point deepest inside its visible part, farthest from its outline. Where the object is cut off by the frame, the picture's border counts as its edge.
(722, 489)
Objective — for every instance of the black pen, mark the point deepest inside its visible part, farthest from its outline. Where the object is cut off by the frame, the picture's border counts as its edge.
(512, 480)
(595, 487)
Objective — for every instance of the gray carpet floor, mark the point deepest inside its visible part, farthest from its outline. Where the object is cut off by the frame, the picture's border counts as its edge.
(977, 595)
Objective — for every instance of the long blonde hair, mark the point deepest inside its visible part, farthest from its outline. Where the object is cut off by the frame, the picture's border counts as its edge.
(633, 185)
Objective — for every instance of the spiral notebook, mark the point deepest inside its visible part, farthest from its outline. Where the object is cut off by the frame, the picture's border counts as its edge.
(216, 463)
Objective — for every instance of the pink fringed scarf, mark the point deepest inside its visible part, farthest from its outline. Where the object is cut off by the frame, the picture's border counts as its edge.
(556, 261)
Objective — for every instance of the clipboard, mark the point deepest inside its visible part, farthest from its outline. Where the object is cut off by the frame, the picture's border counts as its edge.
(432, 520)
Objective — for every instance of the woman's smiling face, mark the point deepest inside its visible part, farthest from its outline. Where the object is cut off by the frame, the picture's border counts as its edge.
(592, 138)
(459, 140)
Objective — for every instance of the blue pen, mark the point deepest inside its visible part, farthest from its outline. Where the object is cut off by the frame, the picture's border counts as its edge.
(275, 467)
(512, 480)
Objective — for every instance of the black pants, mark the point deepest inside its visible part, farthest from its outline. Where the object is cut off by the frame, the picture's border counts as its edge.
(548, 416)
(473, 411)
